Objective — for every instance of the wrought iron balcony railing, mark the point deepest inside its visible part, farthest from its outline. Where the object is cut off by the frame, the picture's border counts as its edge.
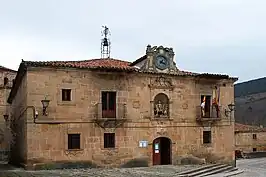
(119, 112)
(211, 113)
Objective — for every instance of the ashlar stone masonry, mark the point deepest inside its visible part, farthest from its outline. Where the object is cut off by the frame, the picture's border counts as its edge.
(111, 112)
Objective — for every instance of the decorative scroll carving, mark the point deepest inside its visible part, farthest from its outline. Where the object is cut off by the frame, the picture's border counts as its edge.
(74, 152)
(161, 105)
(109, 123)
(162, 131)
(161, 82)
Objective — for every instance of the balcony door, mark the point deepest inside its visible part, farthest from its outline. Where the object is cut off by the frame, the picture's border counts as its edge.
(207, 107)
(109, 104)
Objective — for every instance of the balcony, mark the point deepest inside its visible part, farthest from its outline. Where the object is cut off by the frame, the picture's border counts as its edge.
(110, 118)
(210, 114)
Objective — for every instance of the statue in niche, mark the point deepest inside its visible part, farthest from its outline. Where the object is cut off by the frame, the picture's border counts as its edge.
(161, 105)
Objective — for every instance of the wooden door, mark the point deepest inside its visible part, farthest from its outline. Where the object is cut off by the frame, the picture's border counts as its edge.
(156, 152)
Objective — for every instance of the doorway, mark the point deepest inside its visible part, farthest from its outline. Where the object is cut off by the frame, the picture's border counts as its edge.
(162, 151)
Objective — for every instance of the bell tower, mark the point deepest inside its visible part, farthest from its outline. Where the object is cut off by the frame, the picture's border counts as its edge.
(105, 43)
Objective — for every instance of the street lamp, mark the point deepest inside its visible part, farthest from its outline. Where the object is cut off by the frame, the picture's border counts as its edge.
(6, 117)
(231, 108)
(45, 104)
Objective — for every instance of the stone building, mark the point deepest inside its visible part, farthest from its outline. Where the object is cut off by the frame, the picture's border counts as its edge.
(112, 112)
(250, 138)
(6, 81)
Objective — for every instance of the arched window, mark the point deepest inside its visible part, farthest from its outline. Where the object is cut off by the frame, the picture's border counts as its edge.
(161, 105)
(5, 81)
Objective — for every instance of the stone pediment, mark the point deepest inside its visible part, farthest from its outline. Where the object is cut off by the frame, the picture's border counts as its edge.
(157, 60)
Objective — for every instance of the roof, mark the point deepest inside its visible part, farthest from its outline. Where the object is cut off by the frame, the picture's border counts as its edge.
(250, 87)
(6, 69)
(248, 128)
(107, 64)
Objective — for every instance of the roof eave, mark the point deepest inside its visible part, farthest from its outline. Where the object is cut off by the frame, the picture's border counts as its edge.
(20, 74)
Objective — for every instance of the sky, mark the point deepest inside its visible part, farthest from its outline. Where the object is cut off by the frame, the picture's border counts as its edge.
(208, 36)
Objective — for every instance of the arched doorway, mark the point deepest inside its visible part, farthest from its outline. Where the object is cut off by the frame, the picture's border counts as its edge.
(162, 151)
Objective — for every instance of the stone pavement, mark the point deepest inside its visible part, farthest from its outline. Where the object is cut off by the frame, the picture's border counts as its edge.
(252, 167)
(155, 171)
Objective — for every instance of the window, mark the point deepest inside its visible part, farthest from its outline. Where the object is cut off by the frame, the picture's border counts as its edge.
(5, 81)
(206, 106)
(73, 141)
(207, 137)
(66, 94)
(109, 140)
(108, 104)
(254, 149)
(254, 136)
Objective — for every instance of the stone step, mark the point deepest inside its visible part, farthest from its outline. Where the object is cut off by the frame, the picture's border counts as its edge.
(185, 173)
(233, 173)
(207, 170)
(216, 171)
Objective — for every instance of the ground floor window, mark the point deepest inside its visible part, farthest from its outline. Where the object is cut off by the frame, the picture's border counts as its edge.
(109, 140)
(254, 149)
(73, 141)
(254, 136)
(207, 137)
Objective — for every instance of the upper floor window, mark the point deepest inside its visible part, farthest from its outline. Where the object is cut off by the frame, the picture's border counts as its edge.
(161, 105)
(5, 81)
(66, 94)
(108, 104)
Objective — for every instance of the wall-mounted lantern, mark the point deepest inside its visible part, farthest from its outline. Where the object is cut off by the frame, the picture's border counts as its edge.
(6, 117)
(45, 104)
(231, 108)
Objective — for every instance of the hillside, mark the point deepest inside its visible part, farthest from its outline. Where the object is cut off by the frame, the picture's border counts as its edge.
(250, 100)
(250, 87)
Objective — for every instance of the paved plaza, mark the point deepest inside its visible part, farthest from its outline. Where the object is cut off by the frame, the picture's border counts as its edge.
(251, 167)
(155, 171)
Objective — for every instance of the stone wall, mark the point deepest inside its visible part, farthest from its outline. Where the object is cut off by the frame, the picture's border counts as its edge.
(49, 141)
(246, 143)
(5, 134)
(18, 116)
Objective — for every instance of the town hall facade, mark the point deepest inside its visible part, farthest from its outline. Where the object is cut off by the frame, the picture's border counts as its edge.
(111, 112)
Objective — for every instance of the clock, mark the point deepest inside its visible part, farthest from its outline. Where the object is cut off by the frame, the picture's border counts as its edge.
(161, 62)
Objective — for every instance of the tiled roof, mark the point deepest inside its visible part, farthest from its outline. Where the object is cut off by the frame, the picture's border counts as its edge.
(248, 128)
(7, 69)
(109, 63)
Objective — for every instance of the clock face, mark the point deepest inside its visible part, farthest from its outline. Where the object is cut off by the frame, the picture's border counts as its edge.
(161, 62)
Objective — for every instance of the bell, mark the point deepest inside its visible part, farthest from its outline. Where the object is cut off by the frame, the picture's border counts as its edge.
(105, 42)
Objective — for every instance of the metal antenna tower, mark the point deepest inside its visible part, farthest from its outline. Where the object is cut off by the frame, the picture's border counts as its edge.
(105, 43)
